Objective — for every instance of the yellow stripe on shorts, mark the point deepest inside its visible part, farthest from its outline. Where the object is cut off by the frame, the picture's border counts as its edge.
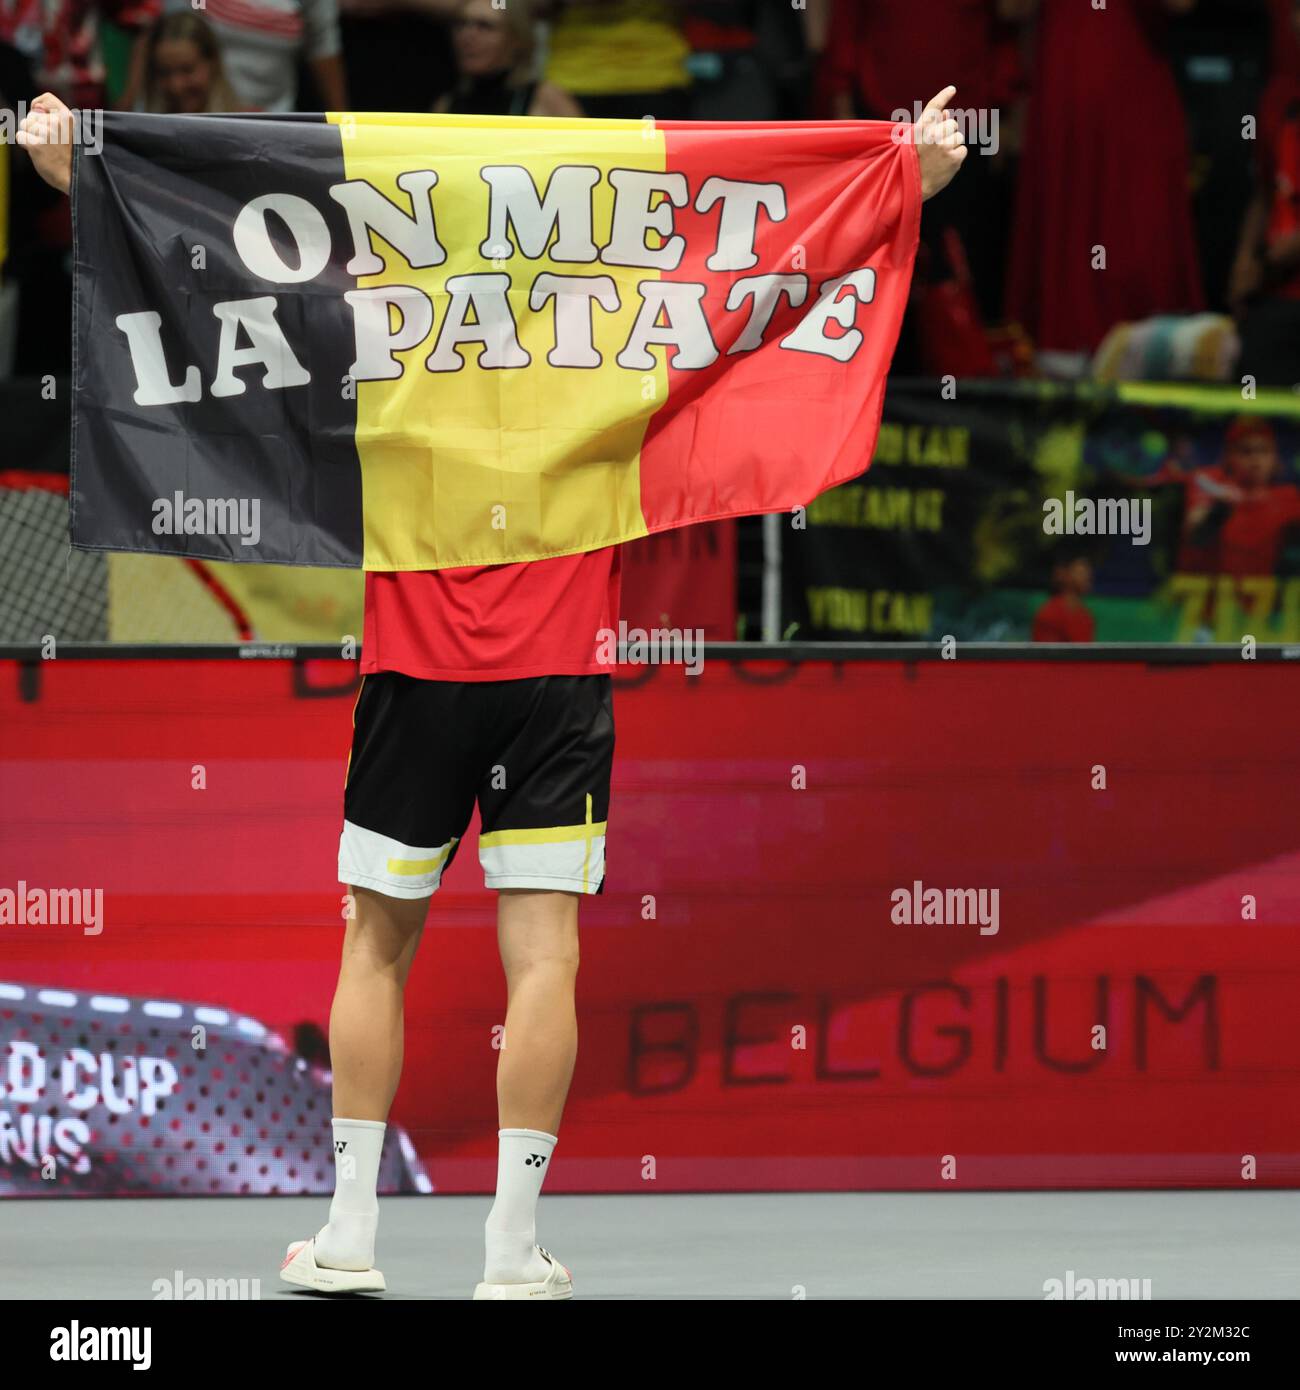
(553, 835)
(414, 867)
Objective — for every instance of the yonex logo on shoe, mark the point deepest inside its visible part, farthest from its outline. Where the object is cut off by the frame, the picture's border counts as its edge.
(534, 1161)
(340, 1145)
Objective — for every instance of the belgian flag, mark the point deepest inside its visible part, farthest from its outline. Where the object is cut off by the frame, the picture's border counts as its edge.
(419, 341)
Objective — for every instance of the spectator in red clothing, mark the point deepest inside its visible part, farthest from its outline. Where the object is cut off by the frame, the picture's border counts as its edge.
(1104, 172)
(61, 41)
(1264, 289)
(876, 54)
(1064, 617)
(880, 53)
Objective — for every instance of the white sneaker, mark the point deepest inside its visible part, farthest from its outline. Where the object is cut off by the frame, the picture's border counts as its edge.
(557, 1284)
(300, 1268)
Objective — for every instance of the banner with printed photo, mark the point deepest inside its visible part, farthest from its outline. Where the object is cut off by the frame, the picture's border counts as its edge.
(1138, 513)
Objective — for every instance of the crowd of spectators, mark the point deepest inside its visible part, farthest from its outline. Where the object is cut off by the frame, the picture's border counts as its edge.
(1132, 161)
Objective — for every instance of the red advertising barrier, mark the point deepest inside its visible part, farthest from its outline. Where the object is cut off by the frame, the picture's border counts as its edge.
(760, 1007)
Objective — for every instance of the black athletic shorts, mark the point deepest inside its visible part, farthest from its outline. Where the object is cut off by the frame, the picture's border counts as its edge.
(535, 754)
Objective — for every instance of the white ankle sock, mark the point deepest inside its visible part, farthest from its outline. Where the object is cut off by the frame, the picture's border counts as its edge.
(523, 1157)
(348, 1241)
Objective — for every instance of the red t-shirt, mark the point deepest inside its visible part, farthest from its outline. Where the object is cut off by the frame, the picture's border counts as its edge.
(1251, 540)
(1063, 619)
(494, 622)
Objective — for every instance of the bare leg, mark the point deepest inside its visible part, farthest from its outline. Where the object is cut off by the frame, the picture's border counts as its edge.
(366, 1020)
(538, 936)
(537, 933)
(366, 1025)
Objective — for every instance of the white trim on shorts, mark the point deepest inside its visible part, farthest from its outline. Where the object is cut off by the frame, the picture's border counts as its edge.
(368, 859)
(570, 866)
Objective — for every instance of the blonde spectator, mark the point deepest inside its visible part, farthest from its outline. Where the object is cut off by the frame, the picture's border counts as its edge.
(183, 74)
(496, 65)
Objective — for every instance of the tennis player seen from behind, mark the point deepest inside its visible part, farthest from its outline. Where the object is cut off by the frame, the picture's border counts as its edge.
(479, 684)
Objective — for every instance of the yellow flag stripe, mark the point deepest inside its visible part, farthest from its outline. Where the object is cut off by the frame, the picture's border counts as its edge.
(473, 466)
